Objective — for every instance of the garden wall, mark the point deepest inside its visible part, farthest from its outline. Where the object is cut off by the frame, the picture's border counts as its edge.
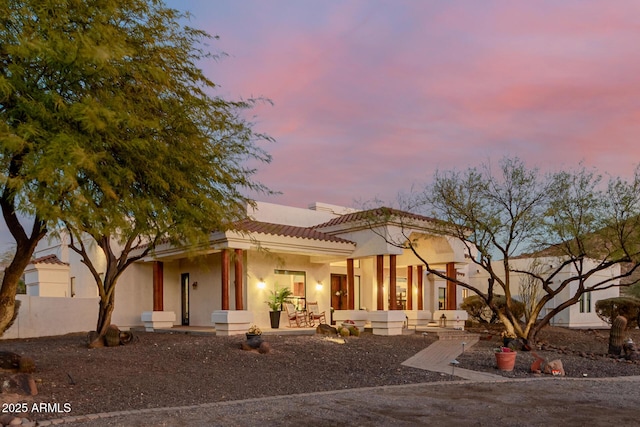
(46, 316)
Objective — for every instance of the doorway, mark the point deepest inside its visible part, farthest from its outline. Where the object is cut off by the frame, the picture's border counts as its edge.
(184, 286)
(339, 300)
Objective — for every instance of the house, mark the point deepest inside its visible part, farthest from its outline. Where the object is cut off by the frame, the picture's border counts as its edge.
(340, 257)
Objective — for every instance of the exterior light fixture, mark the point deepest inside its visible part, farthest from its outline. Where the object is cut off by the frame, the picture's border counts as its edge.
(261, 284)
(443, 321)
(319, 286)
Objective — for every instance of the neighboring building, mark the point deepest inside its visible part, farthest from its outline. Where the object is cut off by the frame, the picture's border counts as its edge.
(580, 315)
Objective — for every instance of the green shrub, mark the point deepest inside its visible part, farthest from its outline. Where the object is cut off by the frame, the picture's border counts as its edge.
(628, 307)
(633, 290)
(479, 311)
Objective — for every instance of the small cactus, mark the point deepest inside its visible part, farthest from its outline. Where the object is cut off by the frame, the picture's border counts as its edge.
(27, 365)
(616, 337)
(353, 330)
(344, 332)
(112, 336)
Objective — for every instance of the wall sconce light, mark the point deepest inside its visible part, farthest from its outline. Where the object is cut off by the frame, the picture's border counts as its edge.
(261, 284)
(195, 285)
(318, 286)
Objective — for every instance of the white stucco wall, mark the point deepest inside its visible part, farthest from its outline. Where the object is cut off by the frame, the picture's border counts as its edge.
(45, 316)
(570, 317)
(47, 280)
(134, 294)
(301, 217)
(261, 265)
(134, 290)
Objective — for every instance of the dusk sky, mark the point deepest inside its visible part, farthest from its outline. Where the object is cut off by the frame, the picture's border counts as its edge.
(371, 97)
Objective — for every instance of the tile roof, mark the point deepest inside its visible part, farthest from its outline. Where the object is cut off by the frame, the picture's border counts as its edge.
(251, 226)
(48, 259)
(381, 213)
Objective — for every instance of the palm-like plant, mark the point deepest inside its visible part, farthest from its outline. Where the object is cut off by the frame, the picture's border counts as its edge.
(279, 297)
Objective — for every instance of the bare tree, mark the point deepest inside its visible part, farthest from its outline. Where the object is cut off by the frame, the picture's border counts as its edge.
(584, 225)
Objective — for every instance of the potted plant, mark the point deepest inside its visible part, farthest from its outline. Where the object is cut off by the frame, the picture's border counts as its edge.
(276, 299)
(253, 332)
(505, 358)
(254, 337)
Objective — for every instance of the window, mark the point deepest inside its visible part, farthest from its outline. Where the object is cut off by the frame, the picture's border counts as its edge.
(73, 287)
(442, 297)
(585, 302)
(465, 294)
(296, 281)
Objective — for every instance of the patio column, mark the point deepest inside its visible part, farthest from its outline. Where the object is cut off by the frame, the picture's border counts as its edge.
(158, 318)
(158, 286)
(451, 302)
(380, 281)
(420, 288)
(224, 276)
(237, 270)
(393, 294)
(351, 291)
(410, 287)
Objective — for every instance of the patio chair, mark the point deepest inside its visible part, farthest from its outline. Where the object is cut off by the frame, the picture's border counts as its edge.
(314, 313)
(296, 317)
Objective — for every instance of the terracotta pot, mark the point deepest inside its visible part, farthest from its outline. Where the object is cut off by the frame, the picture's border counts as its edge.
(506, 360)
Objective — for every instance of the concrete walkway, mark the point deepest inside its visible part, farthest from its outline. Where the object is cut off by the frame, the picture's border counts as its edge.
(438, 357)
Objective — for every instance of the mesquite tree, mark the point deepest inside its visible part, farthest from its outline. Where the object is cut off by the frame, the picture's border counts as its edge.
(585, 225)
(145, 151)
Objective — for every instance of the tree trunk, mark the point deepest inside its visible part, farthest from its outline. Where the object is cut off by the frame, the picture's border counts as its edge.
(12, 275)
(532, 336)
(104, 320)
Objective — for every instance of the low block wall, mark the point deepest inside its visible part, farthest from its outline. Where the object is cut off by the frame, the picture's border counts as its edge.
(46, 316)
(454, 318)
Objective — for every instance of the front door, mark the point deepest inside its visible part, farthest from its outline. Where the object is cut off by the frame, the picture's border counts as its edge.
(184, 282)
(339, 300)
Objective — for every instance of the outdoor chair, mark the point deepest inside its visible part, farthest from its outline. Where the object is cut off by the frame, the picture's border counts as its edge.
(314, 313)
(296, 317)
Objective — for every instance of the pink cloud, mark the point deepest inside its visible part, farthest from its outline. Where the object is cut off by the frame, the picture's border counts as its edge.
(373, 96)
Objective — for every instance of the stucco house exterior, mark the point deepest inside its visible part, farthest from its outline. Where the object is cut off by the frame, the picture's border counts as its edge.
(330, 254)
(580, 315)
(339, 257)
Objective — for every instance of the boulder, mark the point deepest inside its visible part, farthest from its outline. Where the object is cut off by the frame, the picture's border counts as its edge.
(630, 350)
(9, 360)
(21, 384)
(325, 329)
(554, 368)
(264, 348)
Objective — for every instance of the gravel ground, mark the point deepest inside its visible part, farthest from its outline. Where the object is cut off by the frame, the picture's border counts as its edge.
(583, 354)
(162, 370)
